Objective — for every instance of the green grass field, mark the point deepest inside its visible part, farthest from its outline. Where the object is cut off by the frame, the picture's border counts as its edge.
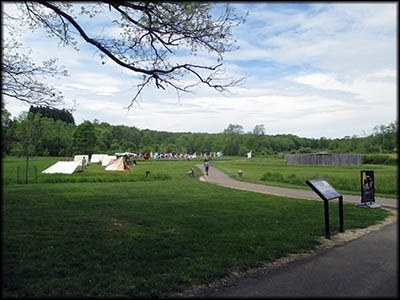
(274, 171)
(149, 237)
(14, 171)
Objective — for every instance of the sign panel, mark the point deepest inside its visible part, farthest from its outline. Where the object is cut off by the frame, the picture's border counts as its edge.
(323, 189)
(327, 192)
(367, 186)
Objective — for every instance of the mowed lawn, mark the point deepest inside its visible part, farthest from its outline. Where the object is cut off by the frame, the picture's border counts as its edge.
(150, 238)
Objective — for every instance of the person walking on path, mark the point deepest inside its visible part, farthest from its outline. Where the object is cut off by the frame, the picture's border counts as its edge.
(206, 165)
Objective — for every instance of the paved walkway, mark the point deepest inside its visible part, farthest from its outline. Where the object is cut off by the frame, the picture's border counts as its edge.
(218, 177)
(364, 267)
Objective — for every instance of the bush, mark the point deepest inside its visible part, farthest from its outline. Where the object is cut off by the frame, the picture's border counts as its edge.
(266, 152)
(293, 179)
(272, 177)
(379, 159)
(305, 150)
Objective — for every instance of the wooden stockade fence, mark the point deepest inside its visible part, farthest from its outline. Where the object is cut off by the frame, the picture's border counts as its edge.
(325, 159)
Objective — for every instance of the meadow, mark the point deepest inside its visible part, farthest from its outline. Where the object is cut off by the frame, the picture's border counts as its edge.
(274, 171)
(14, 172)
(121, 234)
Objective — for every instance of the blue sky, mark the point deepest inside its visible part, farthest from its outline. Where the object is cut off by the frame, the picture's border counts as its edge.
(312, 69)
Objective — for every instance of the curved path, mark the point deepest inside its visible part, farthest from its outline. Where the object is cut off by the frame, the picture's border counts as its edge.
(218, 177)
(364, 267)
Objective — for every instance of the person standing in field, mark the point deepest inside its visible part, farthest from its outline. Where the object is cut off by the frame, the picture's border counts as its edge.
(206, 165)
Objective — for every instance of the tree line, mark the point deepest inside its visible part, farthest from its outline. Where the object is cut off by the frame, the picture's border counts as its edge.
(53, 113)
(55, 134)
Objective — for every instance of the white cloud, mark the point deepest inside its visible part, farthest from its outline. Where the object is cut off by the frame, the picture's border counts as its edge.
(366, 88)
(336, 39)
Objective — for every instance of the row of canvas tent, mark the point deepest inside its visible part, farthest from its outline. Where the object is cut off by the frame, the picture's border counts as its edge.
(103, 159)
(111, 162)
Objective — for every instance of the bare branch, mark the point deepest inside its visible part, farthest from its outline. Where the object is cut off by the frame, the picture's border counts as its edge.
(149, 31)
(140, 88)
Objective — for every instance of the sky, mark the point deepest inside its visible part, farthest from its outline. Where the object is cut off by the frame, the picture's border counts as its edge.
(312, 69)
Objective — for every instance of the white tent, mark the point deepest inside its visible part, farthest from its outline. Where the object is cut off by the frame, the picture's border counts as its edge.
(81, 157)
(63, 167)
(116, 165)
(248, 155)
(96, 158)
(106, 159)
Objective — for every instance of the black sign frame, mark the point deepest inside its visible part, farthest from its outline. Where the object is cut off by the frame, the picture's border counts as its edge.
(323, 189)
(327, 192)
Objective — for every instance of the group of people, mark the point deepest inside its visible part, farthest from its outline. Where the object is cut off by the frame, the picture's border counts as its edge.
(128, 161)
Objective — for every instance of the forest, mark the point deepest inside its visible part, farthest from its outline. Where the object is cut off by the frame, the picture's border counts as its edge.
(44, 131)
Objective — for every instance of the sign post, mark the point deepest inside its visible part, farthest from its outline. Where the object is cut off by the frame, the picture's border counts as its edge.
(327, 192)
(367, 190)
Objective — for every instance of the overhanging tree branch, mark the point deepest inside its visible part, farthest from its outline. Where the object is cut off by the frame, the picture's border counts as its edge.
(149, 31)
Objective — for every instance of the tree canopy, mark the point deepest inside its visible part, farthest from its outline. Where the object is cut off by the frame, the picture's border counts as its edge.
(84, 138)
(54, 113)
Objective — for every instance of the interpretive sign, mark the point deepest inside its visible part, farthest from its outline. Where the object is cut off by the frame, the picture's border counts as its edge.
(327, 192)
(323, 189)
(367, 186)
(368, 190)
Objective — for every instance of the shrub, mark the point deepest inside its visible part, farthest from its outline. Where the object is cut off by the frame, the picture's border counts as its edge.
(272, 177)
(305, 150)
(379, 159)
(293, 179)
